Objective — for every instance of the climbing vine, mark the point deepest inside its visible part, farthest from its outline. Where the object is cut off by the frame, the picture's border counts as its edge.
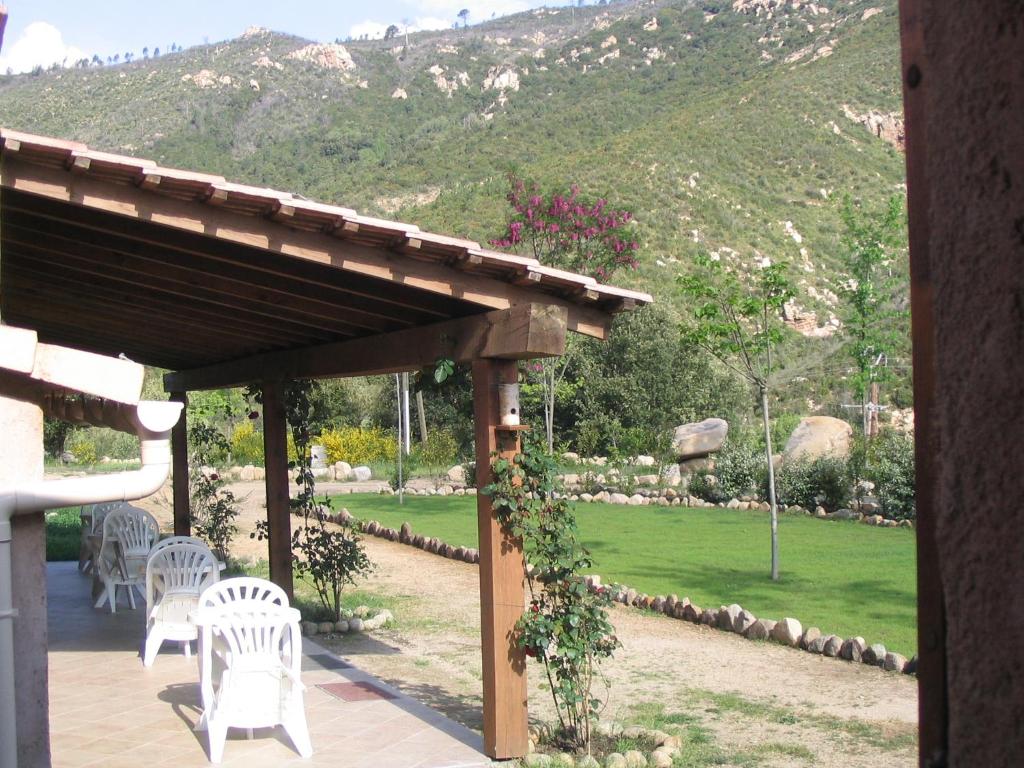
(566, 627)
(331, 557)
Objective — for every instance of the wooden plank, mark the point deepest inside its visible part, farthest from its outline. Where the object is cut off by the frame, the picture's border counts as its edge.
(269, 292)
(933, 703)
(522, 332)
(275, 450)
(264, 234)
(502, 571)
(211, 256)
(179, 469)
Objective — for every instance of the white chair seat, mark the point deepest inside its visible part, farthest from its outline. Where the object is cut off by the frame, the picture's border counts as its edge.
(129, 534)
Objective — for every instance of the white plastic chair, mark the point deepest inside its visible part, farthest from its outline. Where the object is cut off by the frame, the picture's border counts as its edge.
(129, 534)
(258, 684)
(92, 517)
(176, 575)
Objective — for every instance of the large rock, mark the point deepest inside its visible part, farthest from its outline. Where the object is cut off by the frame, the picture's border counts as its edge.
(874, 655)
(893, 662)
(853, 649)
(810, 635)
(700, 439)
(743, 622)
(361, 474)
(457, 474)
(817, 436)
(342, 471)
(760, 629)
(727, 618)
(833, 645)
(787, 632)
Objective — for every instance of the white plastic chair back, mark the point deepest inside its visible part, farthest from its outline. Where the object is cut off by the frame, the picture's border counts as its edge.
(259, 661)
(136, 531)
(176, 575)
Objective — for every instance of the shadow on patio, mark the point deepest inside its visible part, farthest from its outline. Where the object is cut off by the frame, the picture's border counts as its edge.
(107, 709)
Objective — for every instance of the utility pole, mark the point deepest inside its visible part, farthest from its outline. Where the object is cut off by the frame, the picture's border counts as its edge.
(407, 433)
(422, 414)
(398, 392)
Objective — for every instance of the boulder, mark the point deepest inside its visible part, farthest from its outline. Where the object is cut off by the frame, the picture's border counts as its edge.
(644, 461)
(248, 473)
(744, 621)
(699, 439)
(341, 626)
(615, 760)
(846, 514)
(911, 667)
(760, 629)
(570, 457)
(692, 613)
(537, 760)
(874, 655)
(457, 474)
(695, 465)
(853, 649)
(342, 471)
(671, 475)
(787, 632)
(636, 500)
(810, 635)
(587, 761)
(833, 644)
(635, 759)
(361, 474)
(733, 504)
(817, 645)
(817, 436)
(646, 479)
(618, 498)
(661, 758)
(405, 533)
(727, 618)
(893, 662)
(325, 627)
(355, 625)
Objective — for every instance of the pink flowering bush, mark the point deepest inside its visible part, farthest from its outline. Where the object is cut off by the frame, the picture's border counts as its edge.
(568, 232)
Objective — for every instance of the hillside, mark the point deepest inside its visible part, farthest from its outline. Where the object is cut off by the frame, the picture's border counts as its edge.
(735, 127)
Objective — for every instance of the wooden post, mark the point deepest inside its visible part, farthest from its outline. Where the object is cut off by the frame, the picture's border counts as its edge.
(275, 460)
(179, 470)
(502, 572)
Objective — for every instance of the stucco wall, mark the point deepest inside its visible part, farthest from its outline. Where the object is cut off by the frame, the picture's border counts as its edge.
(21, 460)
(975, 147)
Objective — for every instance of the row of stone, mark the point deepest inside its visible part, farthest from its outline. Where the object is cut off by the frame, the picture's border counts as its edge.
(731, 618)
(789, 631)
(358, 620)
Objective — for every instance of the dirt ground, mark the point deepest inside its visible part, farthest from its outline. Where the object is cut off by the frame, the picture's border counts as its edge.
(756, 703)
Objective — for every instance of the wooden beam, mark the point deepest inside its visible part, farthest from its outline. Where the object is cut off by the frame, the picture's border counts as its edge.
(275, 450)
(179, 469)
(502, 571)
(522, 332)
(211, 221)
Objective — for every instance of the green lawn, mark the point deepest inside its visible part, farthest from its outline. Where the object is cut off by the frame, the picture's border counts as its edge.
(63, 534)
(844, 577)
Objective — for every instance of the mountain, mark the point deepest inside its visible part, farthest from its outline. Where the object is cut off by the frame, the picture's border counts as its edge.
(734, 127)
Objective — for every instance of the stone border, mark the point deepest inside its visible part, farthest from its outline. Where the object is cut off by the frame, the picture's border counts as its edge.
(732, 618)
(358, 620)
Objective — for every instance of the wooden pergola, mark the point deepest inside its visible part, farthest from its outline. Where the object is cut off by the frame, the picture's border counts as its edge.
(229, 285)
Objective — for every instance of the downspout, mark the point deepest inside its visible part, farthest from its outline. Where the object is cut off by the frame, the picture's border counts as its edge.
(152, 422)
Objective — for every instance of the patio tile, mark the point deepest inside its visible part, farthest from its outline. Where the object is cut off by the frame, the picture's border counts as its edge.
(108, 710)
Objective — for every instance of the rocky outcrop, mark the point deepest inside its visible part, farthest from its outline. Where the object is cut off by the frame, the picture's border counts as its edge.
(695, 440)
(325, 55)
(817, 436)
(887, 126)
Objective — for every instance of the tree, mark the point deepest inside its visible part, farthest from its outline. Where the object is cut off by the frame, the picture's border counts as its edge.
(870, 314)
(145, 52)
(738, 321)
(156, 52)
(390, 32)
(570, 233)
(464, 15)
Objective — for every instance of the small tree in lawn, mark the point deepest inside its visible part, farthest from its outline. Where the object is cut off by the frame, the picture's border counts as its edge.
(739, 323)
(568, 232)
(870, 314)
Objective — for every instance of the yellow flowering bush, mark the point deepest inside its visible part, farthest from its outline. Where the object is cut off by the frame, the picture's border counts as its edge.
(356, 445)
(247, 445)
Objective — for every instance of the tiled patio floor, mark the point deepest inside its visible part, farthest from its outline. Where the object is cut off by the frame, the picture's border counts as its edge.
(106, 709)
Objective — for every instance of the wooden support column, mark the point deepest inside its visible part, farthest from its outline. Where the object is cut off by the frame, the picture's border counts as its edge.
(502, 573)
(275, 453)
(179, 469)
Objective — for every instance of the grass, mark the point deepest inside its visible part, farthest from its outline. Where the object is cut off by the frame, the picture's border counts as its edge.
(63, 534)
(843, 577)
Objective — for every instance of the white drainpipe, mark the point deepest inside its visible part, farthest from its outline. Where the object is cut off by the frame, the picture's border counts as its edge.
(152, 421)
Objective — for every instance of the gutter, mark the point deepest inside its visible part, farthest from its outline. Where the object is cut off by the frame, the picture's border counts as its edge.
(152, 422)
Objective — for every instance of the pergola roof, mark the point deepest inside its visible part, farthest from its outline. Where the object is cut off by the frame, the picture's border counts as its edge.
(185, 270)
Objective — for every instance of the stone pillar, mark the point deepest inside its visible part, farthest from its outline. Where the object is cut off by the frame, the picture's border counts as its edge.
(21, 460)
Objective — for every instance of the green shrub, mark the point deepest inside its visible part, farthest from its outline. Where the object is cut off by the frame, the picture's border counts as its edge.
(825, 480)
(891, 468)
(739, 470)
(356, 445)
(440, 450)
(83, 448)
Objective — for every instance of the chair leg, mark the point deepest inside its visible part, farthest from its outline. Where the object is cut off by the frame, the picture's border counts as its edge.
(153, 642)
(295, 727)
(216, 733)
(187, 648)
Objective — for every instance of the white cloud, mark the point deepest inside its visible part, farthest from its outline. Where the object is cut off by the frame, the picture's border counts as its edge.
(442, 14)
(430, 22)
(372, 29)
(40, 45)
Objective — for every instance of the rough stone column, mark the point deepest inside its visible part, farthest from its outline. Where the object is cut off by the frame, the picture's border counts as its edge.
(21, 460)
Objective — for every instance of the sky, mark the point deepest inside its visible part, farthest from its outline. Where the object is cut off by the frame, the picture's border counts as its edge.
(41, 32)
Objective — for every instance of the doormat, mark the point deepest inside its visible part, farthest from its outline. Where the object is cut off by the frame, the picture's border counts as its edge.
(360, 691)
